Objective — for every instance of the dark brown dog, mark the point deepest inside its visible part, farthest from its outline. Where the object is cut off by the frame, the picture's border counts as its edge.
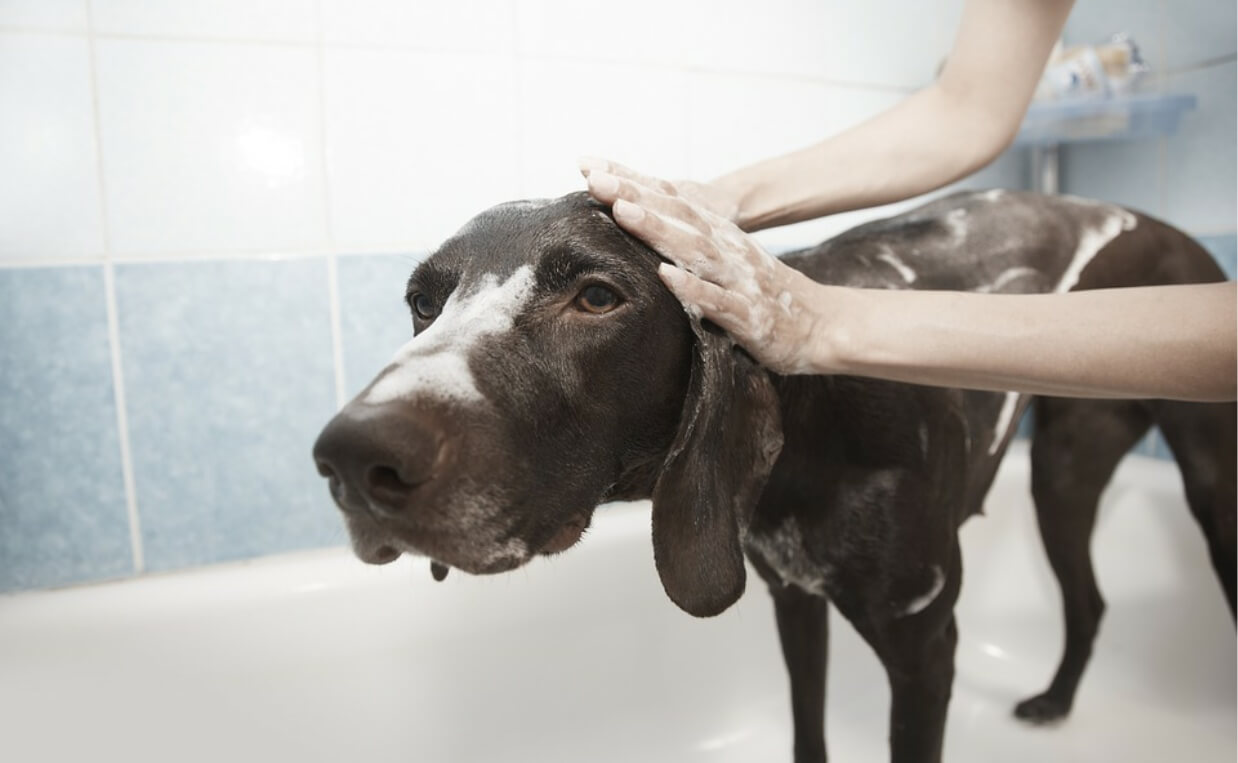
(552, 372)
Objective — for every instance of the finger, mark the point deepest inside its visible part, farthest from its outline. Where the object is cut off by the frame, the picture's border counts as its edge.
(609, 188)
(591, 164)
(726, 308)
(683, 245)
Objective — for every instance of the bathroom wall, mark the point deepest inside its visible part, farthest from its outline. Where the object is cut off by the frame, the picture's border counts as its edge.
(209, 208)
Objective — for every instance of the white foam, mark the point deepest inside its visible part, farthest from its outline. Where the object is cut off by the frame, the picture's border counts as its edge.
(919, 603)
(893, 261)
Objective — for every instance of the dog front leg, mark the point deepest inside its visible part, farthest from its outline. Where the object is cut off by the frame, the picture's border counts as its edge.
(803, 629)
(920, 678)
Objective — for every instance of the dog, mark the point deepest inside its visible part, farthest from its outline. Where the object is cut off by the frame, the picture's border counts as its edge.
(550, 371)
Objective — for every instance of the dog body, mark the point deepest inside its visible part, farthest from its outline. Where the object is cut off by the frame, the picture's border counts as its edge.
(528, 397)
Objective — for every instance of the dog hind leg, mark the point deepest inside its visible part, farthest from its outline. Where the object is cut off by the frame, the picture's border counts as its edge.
(1202, 438)
(1076, 446)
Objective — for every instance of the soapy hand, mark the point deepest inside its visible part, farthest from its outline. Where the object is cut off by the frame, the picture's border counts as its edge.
(723, 274)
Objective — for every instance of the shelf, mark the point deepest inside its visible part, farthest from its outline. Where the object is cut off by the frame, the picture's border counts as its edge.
(1127, 117)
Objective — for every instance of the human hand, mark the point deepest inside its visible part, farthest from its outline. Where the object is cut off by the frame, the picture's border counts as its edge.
(707, 196)
(774, 312)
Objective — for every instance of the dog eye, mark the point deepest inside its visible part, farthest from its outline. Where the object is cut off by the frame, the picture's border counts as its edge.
(423, 306)
(597, 299)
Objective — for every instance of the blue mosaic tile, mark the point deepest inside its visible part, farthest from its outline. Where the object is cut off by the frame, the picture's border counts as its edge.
(62, 498)
(374, 321)
(228, 375)
(1225, 250)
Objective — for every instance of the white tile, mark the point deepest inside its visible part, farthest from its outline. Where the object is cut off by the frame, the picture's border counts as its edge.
(277, 20)
(636, 116)
(49, 198)
(1201, 157)
(735, 120)
(889, 42)
(776, 36)
(474, 25)
(210, 146)
(644, 31)
(45, 15)
(417, 142)
(1199, 30)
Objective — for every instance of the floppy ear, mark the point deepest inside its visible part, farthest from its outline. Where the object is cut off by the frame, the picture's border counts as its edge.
(729, 436)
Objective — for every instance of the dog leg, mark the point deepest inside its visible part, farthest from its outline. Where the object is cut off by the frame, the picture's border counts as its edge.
(917, 651)
(1076, 446)
(920, 682)
(1202, 438)
(803, 629)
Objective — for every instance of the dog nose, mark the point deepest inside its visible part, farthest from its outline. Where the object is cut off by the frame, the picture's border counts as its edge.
(375, 458)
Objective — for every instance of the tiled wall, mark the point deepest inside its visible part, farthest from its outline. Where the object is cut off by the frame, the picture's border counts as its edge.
(209, 208)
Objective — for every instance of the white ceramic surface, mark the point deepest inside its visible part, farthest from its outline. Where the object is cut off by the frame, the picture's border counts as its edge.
(315, 657)
(210, 147)
(48, 159)
(417, 143)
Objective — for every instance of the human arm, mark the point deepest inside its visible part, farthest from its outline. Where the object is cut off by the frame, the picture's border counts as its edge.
(941, 133)
(1177, 342)
(1174, 342)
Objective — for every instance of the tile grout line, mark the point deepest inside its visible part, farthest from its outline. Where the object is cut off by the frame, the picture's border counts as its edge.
(113, 318)
(517, 83)
(333, 271)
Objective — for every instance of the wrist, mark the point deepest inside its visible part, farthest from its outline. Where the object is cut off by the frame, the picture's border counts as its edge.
(752, 196)
(839, 329)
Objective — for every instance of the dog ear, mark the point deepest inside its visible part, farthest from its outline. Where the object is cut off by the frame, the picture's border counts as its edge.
(729, 436)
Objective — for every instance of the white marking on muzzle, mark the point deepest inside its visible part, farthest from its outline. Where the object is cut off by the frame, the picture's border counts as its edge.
(436, 361)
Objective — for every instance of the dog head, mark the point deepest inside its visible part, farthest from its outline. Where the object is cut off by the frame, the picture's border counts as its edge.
(551, 371)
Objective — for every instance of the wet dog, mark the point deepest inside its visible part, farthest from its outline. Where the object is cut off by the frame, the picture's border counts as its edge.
(550, 372)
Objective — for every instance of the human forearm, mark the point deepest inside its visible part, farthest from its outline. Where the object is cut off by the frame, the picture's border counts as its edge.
(946, 131)
(1173, 342)
(877, 162)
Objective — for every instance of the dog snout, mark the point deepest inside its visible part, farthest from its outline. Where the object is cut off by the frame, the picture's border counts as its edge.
(375, 460)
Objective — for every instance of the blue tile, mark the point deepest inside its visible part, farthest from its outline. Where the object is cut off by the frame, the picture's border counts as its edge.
(228, 376)
(1198, 31)
(374, 321)
(1224, 250)
(62, 498)
(1201, 157)
(1123, 173)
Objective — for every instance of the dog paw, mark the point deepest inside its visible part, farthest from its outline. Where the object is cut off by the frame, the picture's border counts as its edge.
(1042, 709)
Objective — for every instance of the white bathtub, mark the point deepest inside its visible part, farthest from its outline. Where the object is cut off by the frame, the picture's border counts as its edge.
(316, 657)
